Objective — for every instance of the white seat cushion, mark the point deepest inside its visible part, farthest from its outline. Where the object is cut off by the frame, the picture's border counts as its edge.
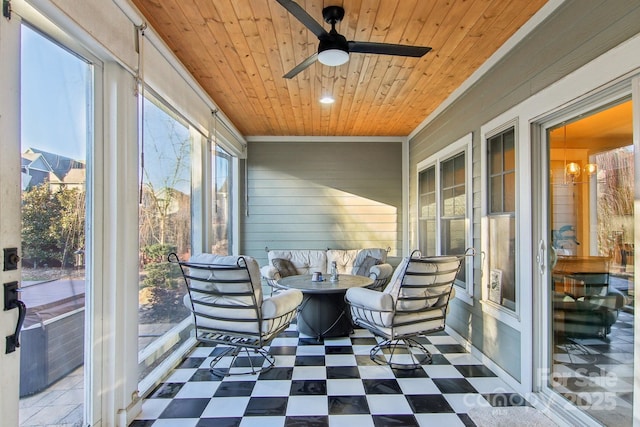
(305, 261)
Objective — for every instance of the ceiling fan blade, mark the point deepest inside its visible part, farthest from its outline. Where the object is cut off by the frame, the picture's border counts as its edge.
(301, 66)
(302, 16)
(388, 49)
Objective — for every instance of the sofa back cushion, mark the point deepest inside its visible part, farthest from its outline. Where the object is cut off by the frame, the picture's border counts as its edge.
(349, 261)
(305, 261)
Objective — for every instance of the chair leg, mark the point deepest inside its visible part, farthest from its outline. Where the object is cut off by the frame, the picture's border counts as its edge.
(234, 352)
(417, 360)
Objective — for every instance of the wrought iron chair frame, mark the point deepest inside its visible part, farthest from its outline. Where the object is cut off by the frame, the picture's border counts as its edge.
(237, 342)
(395, 342)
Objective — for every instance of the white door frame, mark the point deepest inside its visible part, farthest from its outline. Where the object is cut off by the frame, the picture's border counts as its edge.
(10, 173)
(10, 236)
(635, 96)
(541, 277)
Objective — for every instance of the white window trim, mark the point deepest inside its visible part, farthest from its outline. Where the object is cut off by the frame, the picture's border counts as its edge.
(462, 145)
(503, 314)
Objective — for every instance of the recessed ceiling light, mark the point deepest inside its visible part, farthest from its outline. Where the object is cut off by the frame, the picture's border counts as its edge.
(327, 100)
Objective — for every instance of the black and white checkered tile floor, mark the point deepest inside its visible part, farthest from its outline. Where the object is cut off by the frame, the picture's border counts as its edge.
(595, 373)
(330, 383)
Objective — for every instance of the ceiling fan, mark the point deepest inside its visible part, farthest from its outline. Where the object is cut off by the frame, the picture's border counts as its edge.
(334, 49)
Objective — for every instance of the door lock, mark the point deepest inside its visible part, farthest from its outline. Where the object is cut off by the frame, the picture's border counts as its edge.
(11, 259)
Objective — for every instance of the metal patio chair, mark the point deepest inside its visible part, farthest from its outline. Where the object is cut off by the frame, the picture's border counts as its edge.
(225, 297)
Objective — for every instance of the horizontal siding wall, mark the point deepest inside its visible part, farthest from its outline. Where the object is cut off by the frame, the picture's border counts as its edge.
(575, 34)
(318, 195)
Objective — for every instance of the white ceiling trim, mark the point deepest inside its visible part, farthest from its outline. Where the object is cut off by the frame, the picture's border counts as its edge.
(303, 138)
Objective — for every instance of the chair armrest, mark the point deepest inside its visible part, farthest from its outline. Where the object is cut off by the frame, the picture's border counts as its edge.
(369, 299)
(269, 272)
(614, 300)
(381, 271)
(281, 303)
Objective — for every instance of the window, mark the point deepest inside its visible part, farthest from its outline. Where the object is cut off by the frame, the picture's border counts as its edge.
(444, 208)
(454, 205)
(501, 245)
(428, 211)
(222, 202)
(165, 227)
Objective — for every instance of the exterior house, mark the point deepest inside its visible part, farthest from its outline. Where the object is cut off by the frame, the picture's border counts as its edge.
(40, 167)
(491, 168)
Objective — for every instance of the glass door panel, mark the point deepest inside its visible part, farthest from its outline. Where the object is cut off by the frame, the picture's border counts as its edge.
(56, 88)
(165, 227)
(591, 221)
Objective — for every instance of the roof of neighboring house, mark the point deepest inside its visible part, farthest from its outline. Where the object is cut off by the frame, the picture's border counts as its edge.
(75, 176)
(58, 165)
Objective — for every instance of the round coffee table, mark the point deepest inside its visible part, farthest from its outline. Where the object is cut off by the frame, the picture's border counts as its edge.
(324, 312)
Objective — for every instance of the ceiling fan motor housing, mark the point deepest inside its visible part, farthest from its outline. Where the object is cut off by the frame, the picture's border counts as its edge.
(333, 48)
(333, 41)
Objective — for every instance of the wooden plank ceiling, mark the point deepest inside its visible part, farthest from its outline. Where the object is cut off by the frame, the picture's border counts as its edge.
(238, 50)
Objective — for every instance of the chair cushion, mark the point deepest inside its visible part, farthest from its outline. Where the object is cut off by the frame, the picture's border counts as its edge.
(370, 299)
(377, 253)
(396, 279)
(348, 260)
(367, 263)
(244, 304)
(284, 267)
(305, 261)
(281, 303)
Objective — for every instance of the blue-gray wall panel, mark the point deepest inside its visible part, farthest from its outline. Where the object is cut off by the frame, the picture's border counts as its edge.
(318, 195)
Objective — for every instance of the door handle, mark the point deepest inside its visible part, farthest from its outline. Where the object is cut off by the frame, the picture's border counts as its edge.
(541, 256)
(11, 301)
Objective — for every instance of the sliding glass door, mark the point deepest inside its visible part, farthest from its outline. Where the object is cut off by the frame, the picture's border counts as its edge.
(590, 287)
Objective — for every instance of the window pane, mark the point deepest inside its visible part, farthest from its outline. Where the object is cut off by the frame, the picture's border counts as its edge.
(427, 209)
(459, 170)
(427, 193)
(165, 224)
(432, 210)
(453, 236)
(222, 203)
(496, 194)
(448, 202)
(502, 239)
(501, 245)
(428, 180)
(495, 155)
(447, 174)
(428, 237)
(56, 91)
(509, 152)
(510, 192)
(460, 202)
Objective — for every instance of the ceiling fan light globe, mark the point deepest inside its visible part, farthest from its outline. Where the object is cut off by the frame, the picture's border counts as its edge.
(333, 57)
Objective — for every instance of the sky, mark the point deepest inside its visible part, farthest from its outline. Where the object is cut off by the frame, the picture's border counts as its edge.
(54, 97)
(56, 87)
